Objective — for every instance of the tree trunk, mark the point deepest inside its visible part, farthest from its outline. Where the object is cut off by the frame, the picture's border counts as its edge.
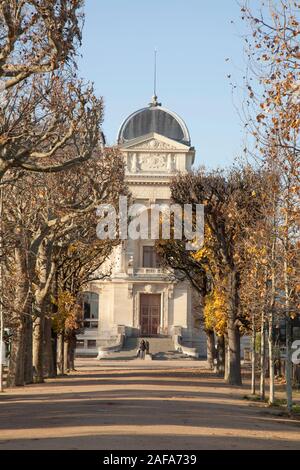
(44, 269)
(16, 362)
(66, 347)
(38, 345)
(288, 365)
(18, 347)
(49, 362)
(271, 313)
(71, 356)
(286, 266)
(60, 354)
(271, 358)
(234, 373)
(262, 357)
(221, 355)
(28, 366)
(54, 352)
(227, 359)
(253, 356)
(72, 340)
(288, 323)
(211, 351)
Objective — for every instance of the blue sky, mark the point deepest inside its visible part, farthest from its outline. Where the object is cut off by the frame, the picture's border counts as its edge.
(193, 39)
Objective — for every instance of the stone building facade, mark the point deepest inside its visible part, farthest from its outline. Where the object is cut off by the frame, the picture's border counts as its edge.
(140, 296)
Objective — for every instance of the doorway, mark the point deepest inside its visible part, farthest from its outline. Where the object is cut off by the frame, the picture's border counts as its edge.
(150, 314)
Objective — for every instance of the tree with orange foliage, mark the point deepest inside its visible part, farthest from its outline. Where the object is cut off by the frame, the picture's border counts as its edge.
(274, 110)
(232, 205)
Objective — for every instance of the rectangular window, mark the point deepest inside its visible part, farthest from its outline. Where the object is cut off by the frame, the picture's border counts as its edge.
(90, 310)
(91, 344)
(90, 306)
(87, 310)
(149, 257)
(90, 324)
(80, 344)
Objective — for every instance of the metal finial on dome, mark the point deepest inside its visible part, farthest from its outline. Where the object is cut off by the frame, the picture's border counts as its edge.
(154, 78)
(154, 101)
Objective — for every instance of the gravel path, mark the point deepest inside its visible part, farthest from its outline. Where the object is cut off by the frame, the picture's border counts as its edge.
(134, 405)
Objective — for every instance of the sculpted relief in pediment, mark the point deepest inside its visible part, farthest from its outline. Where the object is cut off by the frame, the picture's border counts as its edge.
(154, 144)
(151, 162)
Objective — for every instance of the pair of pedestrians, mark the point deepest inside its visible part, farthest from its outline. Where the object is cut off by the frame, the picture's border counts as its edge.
(143, 349)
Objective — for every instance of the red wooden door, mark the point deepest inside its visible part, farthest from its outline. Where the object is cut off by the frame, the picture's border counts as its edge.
(150, 314)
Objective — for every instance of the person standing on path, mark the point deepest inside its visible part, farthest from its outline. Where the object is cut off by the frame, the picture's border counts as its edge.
(142, 349)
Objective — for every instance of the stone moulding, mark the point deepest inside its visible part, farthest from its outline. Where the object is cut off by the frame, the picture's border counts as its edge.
(179, 346)
(105, 351)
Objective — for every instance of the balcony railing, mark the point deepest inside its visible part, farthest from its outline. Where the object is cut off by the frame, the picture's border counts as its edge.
(150, 271)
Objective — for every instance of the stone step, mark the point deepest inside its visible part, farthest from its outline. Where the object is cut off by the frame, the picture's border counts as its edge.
(160, 348)
(160, 345)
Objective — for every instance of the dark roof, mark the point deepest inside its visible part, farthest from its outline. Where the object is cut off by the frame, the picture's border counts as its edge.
(154, 119)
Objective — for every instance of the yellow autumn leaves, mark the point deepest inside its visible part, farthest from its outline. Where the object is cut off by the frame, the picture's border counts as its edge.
(215, 311)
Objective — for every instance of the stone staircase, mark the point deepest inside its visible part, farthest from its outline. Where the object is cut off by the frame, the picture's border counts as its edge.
(161, 348)
(127, 353)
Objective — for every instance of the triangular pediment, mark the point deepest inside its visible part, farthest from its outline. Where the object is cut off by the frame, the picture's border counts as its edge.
(154, 142)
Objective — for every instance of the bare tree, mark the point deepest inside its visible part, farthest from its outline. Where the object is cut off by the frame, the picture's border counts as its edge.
(37, 36)
(46, 218)
(44, 107)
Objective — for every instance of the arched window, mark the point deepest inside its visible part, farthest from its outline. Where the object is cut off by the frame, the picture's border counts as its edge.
(90, 310)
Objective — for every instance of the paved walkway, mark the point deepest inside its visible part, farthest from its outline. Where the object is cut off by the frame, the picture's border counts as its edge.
(135, 405)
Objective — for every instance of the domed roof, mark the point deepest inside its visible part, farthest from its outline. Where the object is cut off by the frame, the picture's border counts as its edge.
(154, 119)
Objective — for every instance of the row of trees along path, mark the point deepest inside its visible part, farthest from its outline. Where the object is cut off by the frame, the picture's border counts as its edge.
(54, 172)
(247, 273)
